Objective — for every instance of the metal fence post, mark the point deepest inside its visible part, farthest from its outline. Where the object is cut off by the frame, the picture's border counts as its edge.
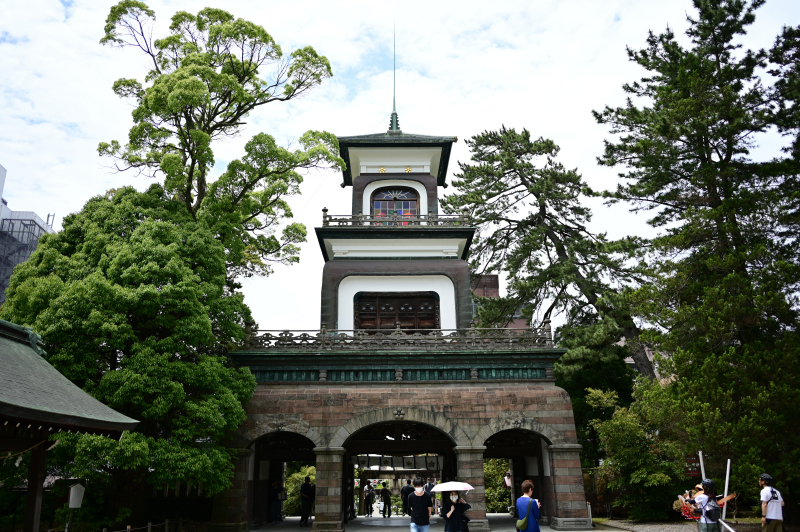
(166, 525)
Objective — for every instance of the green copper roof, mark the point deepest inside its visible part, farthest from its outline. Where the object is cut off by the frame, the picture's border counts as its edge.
(395, 138)
(33, 390)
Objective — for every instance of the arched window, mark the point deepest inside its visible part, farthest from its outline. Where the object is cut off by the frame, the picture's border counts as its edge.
(395, 201)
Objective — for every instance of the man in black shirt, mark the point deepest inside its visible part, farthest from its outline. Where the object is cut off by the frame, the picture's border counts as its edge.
(420, 506)
(305, 501)
(405, 491)
(386, 497)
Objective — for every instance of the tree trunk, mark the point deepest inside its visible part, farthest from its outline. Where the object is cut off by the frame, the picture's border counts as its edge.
(638, 352)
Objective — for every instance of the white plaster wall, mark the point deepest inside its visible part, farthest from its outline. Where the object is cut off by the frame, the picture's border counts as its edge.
(395, 159)
(441, 284)
(396, 247)
(419, 187)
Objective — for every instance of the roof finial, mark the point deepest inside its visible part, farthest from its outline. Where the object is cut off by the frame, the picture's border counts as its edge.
(394, 123)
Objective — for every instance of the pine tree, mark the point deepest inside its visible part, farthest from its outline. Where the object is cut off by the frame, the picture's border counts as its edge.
(724, 273)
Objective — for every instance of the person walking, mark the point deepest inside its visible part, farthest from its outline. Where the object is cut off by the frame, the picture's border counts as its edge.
(275, 502)
(528, 506)
(709, 509)
(405, 491)
(305, 501)
(430, 493)
(771, 506)
(386, 497)
(453, 509)
(420, 507)
(369, 499)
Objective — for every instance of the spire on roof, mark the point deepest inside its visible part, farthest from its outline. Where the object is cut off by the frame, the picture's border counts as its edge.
(394, 122)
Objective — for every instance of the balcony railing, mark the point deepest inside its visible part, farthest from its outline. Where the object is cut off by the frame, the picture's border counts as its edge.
(404, 339)
(392, 220)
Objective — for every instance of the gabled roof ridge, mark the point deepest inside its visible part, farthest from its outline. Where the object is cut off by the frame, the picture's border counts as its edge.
(395, 137)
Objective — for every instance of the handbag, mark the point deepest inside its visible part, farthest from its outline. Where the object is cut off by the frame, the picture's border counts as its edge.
(282, 495)
(522, 524)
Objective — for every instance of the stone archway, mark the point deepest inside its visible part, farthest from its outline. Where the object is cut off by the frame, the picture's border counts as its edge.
(518, 420)
(558, 466)
(267, 461)
(263, 424)
(403, 413)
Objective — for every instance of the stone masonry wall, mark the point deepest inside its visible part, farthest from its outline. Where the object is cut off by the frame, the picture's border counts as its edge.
(469, 413)
(321, 410)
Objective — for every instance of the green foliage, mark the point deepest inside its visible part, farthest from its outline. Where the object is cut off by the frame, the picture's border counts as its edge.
(131, 302)
(643, 467)
(498, 498)
(293, 505)
(206, 76)
(533, 225)
(724, 272)
(594, 360)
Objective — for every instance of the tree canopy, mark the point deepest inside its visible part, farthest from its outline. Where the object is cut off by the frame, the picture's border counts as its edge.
(206, 76)
(131, 302)
(533, 226)
(721, 297)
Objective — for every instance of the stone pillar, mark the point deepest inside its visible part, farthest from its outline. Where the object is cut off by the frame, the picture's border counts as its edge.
(569, 501)
(229, 513)
(470, 470)
(328, 503)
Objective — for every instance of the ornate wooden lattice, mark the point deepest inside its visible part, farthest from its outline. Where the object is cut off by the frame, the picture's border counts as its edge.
(404, 310)
(436, 340)
(394, 220)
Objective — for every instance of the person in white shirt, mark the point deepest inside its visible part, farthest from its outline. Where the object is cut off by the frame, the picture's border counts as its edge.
(771, 506)
(707, 504)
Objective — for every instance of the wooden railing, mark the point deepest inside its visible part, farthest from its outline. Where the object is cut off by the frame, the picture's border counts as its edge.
(397, 338)
(392, 220)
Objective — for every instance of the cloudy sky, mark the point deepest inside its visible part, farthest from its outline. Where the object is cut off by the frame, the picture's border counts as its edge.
(462, 67)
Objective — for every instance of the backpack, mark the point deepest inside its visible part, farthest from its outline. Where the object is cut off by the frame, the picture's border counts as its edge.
(712, 511)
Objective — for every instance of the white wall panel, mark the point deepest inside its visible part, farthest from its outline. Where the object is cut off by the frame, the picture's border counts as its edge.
(441, 284)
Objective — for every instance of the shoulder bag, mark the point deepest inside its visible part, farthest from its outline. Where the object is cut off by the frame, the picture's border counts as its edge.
(522, 524)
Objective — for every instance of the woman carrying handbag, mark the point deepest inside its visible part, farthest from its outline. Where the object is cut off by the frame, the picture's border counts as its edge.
(529, 507)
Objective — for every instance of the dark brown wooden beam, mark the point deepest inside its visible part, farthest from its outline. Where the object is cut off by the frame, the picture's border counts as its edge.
(396, 449)
(36, 475)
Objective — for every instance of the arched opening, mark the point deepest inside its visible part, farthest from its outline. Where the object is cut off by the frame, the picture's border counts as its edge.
(275, 457)
(394, 202)
(393, 452)
(528, 459)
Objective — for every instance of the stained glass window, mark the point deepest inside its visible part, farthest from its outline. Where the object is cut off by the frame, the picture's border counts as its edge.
(395, 202)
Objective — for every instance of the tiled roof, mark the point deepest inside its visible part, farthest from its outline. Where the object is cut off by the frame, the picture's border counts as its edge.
(32, 389)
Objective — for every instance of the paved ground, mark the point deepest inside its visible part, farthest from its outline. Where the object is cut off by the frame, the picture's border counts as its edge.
(682, 526)
(497, 522)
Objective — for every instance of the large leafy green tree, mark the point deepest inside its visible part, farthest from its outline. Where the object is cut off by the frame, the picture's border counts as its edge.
(498, 498)
(594, 360)
(131, 302)
(533, 226)
(724, 270)
(643, 465)
(207, 74)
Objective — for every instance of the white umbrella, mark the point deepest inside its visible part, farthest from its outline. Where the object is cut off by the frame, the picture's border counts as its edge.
(452, 486)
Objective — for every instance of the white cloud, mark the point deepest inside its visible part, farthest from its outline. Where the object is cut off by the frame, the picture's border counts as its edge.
(462, 67)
